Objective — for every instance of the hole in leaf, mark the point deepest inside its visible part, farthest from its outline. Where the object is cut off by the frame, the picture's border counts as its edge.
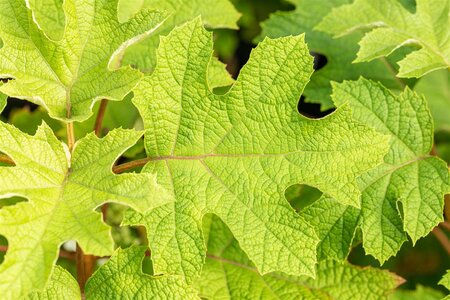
(410, 5)
(14, 104)
(320, 60)
(301, 195)
(12, 201)
(311, 110)
(3, 248)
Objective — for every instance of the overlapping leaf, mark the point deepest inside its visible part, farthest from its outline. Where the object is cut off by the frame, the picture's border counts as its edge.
(393, 27)
(220, 14)
(436, 89)
(63, 191)
(234, 155)
(122, 278)
(61, 286)
(68, 76)
(406, 193)
(229, 274)
(3, 99)
(335, 225)
(339, 52)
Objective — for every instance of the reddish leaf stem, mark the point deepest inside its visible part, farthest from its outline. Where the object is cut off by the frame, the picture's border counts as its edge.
(442, 238)
(100, 116)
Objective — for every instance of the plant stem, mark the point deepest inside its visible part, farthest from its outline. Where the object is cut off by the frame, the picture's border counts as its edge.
(85, 263)
(100, 116)
(70, 136)
(85, 267)
(130, 165)
(442, 238)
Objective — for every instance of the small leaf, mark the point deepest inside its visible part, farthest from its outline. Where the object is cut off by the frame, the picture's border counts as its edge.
(393, 26)
(63, 191)
(3, 99)
(122, 278)
(68, 76)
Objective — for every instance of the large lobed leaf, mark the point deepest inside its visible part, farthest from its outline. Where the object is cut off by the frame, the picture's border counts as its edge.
(393, 26)
(220, 14)
(339, 52)
(406, 193)
(122, 278)
(63, 191)
(69, 75)
(229, 274)
(61, 286)
(234, 155)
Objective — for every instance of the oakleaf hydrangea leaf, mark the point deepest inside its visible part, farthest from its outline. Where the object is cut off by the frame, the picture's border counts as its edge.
(445, 281)
(220, 14)
(339, 52)
(436, 89)
(234, 155)
(229, 274)
(61, 286)
(420, 293)
(393, 26)
(68, 76)
(122, 278)
(335, 225)
(3, 99)
(49, 15)
(406, 192)
(63, 191)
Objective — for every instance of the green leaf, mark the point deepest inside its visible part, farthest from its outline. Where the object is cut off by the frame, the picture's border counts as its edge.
(335, 225)
(221, 14)
(68, 76)
(445, 281)
(50, 16)
(3, 99)
(122, 278)
(234, 155)
(420, 293)
(406, 192)
(229, 274)
(339, 52)
(436, 89)
(63, 191)
(393, 26)
(61, 286)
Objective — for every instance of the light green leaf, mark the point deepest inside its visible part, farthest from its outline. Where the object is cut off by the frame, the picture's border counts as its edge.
(436, 89)
(122, 278)
(218, 75)
(420, 293)
(3, 99)
(68, 76)
(229, 274)
(335, 225)
(61, 286)
(406, 192)
(235, 154)
(50, 16)
(393, 26)
(445, 281)
(339, 52)
(63, 191)
(220, 14)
